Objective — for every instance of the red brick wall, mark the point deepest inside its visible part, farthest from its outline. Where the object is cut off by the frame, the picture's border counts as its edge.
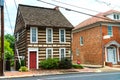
(116, 34)
(91, 51)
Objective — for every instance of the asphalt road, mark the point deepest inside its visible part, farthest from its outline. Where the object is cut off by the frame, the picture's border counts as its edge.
(75, 76)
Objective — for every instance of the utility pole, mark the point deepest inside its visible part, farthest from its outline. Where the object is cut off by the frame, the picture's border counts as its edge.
(1, 37)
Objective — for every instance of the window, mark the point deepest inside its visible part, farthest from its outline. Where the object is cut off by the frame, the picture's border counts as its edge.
(110, 31)
(116, 16)
(62, 35)
(49, 35)
(77, 52)
(81, 40)
(49, 53)
(62, 53)
(33, 35)
(17, 36)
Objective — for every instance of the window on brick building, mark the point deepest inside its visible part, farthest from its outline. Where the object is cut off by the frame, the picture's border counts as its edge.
(81, 41)
(77, 52)
(110, 30)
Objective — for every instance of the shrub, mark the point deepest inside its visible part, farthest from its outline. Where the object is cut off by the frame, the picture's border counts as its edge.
(23, 69)
(65, 64)
(49, 64)
(77, 66)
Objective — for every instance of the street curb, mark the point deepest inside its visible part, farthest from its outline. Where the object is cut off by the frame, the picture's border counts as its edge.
(60, 73)
(35, 75)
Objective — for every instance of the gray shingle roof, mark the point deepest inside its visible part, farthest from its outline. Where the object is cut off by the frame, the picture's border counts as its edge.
(40, 16)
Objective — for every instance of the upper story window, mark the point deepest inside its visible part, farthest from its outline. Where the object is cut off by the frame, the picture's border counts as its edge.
(62, 33)
(116, 16)
(81, 41)
(33, 35)
(49, 53)
(110, 30)
(62, 53)
(49, 35)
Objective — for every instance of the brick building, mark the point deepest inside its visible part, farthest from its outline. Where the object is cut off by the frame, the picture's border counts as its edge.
(97, 39)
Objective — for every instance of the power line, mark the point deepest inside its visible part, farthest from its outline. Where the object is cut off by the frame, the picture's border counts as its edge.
(107, 3)
(15, 3)
(8, 17)
(68, 9)
(75, 6)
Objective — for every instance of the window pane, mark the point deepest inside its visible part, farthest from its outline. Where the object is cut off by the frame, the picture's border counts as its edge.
(114, 16)
(109, 30)
(62, 53)
(62, 36)
(33, 34)
(49, 35)
(49, 53)
(81, 40)
(117, 16)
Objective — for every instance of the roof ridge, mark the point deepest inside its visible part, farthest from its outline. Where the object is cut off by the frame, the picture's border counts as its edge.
(93, 19)
(36, 6)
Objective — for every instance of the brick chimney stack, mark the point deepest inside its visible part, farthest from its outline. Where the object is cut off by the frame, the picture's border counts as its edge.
(56, 8)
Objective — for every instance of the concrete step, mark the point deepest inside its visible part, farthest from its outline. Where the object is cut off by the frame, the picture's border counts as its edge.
(116, 66)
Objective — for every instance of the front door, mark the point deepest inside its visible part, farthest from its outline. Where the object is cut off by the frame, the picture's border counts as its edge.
(112, 55)
(33, 60)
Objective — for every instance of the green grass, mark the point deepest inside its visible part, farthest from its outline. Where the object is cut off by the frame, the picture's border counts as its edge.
(77, 66)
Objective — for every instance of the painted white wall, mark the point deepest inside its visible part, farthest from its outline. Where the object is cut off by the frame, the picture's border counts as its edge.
(110, 16)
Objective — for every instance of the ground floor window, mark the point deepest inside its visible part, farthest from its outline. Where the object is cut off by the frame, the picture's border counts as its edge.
(62, 53)
(49, 53)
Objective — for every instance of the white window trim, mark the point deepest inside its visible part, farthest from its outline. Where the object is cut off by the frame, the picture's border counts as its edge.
(112, 30)
(118, 54)
(60, 35)
(81, 41)
(47, 52)
(29, 50)
(115, 54)
(31, 35)
(47, 35)
(60, 53)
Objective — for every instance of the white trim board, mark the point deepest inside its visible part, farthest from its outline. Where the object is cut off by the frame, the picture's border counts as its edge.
(33, 49)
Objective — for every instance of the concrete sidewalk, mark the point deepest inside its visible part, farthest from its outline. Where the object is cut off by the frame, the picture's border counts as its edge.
(14, 74)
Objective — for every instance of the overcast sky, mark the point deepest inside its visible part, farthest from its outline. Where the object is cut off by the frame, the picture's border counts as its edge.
(75, 18)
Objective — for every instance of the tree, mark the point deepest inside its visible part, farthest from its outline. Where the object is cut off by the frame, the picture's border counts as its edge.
(8, 52)
(9, 46)
(10, 38)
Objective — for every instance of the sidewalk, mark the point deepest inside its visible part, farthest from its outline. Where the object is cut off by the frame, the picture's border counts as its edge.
(13, 74)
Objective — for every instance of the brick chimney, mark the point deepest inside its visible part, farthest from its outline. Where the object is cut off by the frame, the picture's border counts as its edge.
(56, 8)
